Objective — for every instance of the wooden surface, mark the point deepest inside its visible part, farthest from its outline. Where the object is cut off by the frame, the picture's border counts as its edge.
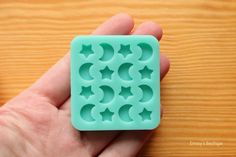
(199, 93)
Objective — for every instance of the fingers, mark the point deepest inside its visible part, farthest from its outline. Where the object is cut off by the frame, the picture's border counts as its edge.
(165, 65)
(119, 24)
(54, 85)
(153, 28)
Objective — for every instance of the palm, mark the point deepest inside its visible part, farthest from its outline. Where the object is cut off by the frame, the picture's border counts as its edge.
(45, 127)
(40, 116)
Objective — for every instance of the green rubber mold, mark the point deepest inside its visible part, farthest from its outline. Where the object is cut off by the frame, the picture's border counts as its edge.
(115, 82)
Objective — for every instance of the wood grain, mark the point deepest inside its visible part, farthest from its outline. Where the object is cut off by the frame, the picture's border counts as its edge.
(199, 93)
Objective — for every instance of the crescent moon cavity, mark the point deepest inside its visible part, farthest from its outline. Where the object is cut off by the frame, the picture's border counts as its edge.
(108, 94)
(147, 93)
(86, 114)
(84, 71)
(124, 113)
(146, 51)
(108, 52)
(123, 71)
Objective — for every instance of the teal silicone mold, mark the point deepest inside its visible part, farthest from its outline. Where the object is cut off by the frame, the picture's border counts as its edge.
(115, 82)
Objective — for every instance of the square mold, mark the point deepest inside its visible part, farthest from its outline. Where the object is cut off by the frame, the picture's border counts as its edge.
(115, 82)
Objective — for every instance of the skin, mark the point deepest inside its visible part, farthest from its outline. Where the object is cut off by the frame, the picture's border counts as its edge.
(37, 121)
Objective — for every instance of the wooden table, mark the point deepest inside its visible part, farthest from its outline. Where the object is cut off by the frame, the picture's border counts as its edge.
(198, 94)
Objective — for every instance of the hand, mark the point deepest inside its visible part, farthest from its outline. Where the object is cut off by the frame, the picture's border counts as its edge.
(37, 121)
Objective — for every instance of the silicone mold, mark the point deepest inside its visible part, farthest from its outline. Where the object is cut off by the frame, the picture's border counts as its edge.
(115, 82)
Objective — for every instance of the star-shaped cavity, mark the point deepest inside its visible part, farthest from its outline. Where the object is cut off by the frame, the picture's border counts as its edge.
(86, 50)
(107, 115)
(106, 73)
(125, 50)
(86, 92)
(145, 114)
(125, 92)
(146, 73)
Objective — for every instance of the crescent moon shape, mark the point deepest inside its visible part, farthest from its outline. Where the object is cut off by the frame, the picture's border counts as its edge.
(108, 94)
(86, 114)
(84, 71)
(123, 71)
(146, 51)
(108, 52)
(124, 113)
(147, 93)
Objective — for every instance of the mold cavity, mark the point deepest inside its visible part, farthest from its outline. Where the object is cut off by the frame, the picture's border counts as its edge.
(86, 112)
(146, 73)
(106, 73)
(146, 51)
(84, 71)
(147, 93)
(125, 92)
(86, 92)
(108, 52)
(86, 50)
(108, 94)
(145, 114)
(123, 71)
(125, 50)
(124, 113)
(107, 115)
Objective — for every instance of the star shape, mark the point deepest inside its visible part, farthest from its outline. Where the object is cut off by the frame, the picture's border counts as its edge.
(145, 114)
(146, 72)
(86, 92)
(107, 115)
(106, 73)
(125, 50)
(125, 92)
(86, 50)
